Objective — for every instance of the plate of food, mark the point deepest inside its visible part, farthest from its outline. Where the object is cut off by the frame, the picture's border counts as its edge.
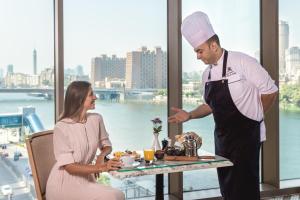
(134, 154)
(130, 166)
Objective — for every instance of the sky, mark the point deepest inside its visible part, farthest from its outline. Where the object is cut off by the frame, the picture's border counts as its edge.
(96, 27)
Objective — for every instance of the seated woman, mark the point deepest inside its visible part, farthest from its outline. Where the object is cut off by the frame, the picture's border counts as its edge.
(77, 135)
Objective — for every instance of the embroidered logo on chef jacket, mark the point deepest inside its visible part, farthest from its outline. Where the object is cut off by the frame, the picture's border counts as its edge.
(232, 76)
(230, 72)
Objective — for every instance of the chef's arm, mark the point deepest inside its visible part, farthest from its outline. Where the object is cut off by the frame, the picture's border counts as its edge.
(183, 116)
(268, 100)
(201, 111)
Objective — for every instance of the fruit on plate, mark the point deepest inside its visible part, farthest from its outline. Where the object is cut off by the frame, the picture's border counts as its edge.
(134, 154)
(118, 154)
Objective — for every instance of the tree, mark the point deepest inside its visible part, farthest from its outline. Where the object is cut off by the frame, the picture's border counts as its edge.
(289, 95)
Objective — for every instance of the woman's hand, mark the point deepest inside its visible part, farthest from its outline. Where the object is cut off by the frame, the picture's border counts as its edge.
(99, 161)
(180, 116)
(113, 164)
(110, 165)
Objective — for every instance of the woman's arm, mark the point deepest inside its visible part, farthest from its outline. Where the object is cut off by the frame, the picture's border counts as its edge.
(83, 169)
(104, 152)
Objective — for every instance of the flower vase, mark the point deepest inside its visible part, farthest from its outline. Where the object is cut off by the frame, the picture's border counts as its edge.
(155, 143)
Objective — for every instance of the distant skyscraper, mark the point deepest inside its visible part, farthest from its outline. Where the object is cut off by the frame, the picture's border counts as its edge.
(79, 70)
(34, 62)
(110, 67)
(69, 71)
(292, 56)
(1, 73)
(146, 69)
(283, 45)
(10, 69)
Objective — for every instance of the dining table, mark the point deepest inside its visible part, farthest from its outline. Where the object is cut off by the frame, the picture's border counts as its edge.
(160, 167)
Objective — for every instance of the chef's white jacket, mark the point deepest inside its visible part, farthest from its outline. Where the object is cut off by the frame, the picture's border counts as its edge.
(247, 81)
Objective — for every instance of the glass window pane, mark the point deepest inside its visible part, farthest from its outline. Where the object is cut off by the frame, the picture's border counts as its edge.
(120, 47)
(238, 31)
(26, 85)
(289, 84)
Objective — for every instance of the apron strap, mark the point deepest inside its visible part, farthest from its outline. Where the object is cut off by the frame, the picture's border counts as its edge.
(224, 67)
(224, 64)
(209, 74)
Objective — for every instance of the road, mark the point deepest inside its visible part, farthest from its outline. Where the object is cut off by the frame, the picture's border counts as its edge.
(8, 178)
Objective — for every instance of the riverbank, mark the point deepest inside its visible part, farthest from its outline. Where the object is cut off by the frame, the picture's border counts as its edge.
(289, 108)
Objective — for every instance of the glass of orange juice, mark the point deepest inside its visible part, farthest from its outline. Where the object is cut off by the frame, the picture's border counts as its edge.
(148, 155)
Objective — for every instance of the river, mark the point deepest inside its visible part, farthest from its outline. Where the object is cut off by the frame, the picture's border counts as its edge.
(129, 127)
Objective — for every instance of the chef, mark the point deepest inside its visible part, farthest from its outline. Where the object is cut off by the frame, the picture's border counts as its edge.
(237, 91)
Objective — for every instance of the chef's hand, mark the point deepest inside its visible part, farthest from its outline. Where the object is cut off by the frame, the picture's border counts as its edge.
(179, 116)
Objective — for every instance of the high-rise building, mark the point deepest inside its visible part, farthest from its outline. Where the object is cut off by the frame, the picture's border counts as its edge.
(146, 69)
(79, 70)
(283, 45)
(47, 77)
(34, 62)
(10, 69)
(1, 73)
(107, 67)
(69, 71)
(292, 56)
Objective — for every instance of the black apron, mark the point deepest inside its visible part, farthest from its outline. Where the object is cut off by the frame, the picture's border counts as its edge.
(237, 138)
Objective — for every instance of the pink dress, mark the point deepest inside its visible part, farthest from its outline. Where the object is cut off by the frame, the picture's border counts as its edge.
(78, 142)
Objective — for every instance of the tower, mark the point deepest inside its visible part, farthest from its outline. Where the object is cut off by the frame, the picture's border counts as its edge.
(34, 62)
(10, 69)
(283, 45)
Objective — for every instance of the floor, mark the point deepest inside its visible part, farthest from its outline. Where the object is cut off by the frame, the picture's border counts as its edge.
(289, 197)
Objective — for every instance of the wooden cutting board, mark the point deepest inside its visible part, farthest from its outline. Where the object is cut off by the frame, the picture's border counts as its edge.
(187, 158)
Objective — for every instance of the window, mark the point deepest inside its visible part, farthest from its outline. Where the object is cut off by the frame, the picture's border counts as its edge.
(238, 31)
(289, 84)
(120, 47)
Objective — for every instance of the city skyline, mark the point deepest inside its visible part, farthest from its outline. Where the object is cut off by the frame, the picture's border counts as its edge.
(82, 41)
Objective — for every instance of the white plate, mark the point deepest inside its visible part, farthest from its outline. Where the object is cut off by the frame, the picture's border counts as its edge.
(135, 164)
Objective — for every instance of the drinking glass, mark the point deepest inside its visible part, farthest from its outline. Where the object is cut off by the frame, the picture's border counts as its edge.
(148, 155)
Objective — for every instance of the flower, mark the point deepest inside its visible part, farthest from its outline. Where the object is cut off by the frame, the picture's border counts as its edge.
(157, 125)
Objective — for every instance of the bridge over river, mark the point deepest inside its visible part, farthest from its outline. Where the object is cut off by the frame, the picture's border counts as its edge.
(110, 94)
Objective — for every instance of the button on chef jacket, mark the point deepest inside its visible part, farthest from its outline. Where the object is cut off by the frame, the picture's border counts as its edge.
(247, 81)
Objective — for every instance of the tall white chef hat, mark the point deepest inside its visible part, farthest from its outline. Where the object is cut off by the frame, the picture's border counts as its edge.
(197, 29)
